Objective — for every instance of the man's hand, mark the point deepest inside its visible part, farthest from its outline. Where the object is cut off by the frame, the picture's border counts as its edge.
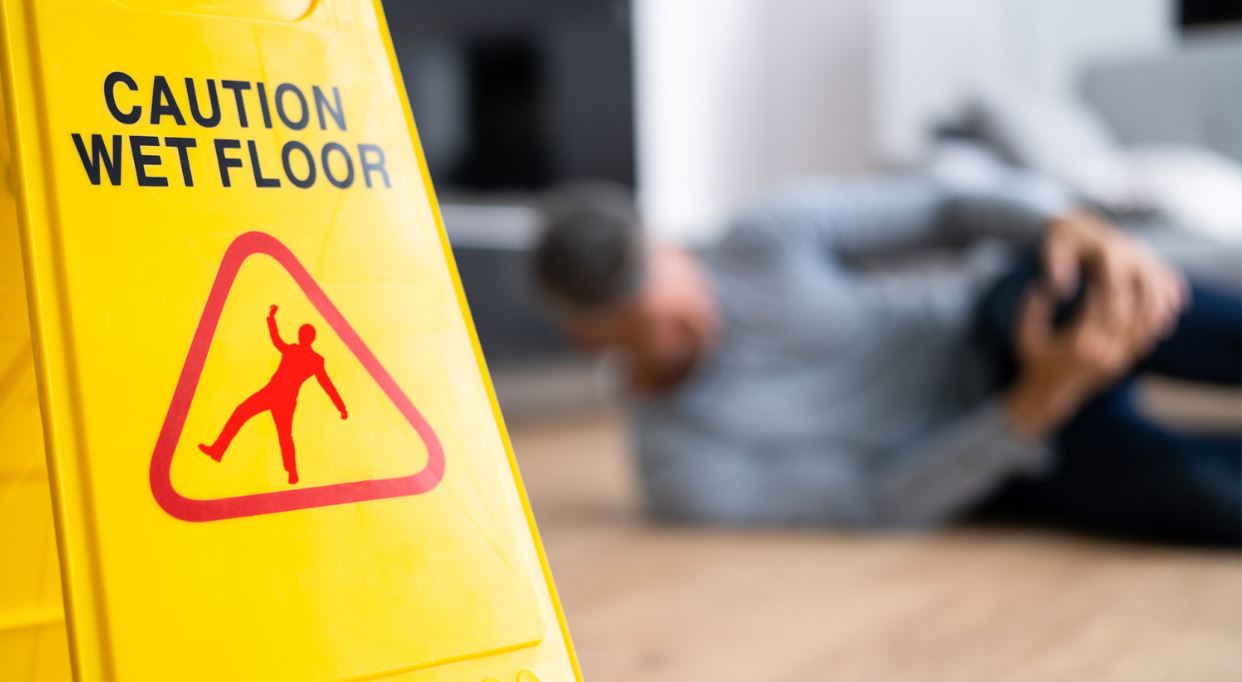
(271, 312)
(1138, 287)
(1060, 370)
(1133, 299)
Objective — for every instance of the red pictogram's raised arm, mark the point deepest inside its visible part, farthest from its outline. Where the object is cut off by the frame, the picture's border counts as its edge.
(273, 331)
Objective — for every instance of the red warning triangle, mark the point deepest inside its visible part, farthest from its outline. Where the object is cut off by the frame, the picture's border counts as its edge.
(189, 509)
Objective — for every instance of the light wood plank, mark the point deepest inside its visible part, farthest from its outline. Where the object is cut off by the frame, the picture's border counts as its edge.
(656, 603)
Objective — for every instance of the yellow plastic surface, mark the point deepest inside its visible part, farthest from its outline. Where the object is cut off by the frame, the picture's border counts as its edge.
(33, 644)
(406, 550)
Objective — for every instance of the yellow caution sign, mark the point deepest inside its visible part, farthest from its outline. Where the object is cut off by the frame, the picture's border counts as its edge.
(33, 643)
(273, 452)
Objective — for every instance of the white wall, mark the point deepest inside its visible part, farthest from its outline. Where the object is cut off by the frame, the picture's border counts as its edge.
(817, 86)
(733, 95)
(696, 71)
(932, 54)
(736, 96)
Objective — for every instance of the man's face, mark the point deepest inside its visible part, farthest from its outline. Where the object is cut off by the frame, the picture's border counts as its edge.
(666, 326)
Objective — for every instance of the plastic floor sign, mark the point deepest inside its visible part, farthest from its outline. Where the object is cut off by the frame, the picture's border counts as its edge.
(272, 450)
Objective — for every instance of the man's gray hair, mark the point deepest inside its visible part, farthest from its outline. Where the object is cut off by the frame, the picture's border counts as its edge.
(590, 258)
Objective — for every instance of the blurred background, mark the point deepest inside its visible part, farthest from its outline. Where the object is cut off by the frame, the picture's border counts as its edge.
(701, 106)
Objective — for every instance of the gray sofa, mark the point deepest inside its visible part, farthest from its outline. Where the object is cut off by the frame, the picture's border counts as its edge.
(1193, 96)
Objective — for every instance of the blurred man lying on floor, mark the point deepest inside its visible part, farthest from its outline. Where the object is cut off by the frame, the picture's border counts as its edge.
(779, 377)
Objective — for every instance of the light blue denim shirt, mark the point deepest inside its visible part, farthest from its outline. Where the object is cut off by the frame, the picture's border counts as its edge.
(838, 393)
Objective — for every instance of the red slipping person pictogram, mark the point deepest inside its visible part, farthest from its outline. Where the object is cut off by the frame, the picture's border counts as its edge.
(298, 362)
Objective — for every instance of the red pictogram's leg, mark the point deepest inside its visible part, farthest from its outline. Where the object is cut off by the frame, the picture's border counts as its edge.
(249, 408)
(283, 416)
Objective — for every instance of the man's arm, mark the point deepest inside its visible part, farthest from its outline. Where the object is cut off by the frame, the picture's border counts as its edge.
(853, 222)
(874, 218)
(1058, 370)
(273, 331)
(693, 474)
(321, 375)
(952, 469)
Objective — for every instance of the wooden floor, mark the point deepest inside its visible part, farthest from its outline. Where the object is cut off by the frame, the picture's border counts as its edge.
(650, 603)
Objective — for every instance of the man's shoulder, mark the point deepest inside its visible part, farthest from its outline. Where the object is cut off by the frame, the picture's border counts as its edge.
(775, 221)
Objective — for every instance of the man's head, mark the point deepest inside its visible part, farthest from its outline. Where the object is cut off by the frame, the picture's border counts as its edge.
(612, 287)
(306, 335)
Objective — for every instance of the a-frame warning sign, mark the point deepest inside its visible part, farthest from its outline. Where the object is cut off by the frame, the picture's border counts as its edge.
(273, 452)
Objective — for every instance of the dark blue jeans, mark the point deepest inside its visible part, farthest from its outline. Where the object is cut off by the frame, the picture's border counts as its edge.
(1115, 470)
